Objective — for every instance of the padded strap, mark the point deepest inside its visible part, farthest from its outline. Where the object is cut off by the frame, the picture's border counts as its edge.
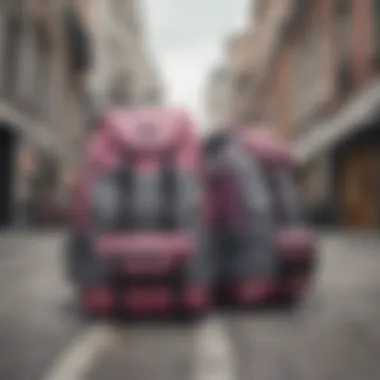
(125, 179)
(169, 193)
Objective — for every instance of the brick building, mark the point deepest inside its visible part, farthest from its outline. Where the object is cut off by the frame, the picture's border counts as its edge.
(44, 54)
(317, 80)
(248, 55)
(311, 68)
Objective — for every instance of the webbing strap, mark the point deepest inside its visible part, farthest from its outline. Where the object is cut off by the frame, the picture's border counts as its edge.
(125, 190)
(169, 194)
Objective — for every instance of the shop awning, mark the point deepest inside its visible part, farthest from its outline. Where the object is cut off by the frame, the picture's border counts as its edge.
(356, 113)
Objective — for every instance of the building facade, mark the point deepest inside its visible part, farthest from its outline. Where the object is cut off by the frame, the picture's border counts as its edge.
(242, 60)
(122, 72)
(61, 62)
(218, 100)
(230, 88)
(41, 109)
(248, 57)
(322, 87)
(270, 19)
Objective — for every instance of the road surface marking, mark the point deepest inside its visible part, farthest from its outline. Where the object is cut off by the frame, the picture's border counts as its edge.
(213, 352)
(75, 362)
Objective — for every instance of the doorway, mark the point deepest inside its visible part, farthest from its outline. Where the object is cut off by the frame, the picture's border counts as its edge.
(358, 187)
(7, 150)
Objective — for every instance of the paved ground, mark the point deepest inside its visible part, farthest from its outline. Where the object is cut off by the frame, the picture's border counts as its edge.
(35, 320)
(334, 335)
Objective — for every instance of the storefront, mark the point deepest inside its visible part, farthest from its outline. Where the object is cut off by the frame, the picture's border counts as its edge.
(357, 177)
(339, 163)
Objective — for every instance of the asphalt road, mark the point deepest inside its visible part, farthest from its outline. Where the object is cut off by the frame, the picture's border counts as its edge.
(334, 335)
(35, 317)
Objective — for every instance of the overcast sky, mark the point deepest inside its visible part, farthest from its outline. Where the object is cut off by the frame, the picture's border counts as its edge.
(187, 37)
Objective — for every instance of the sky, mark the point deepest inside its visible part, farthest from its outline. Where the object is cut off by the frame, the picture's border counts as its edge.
(187, 37)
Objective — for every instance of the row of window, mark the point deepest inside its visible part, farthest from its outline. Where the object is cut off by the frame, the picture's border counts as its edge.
(344, 19)
(312, 88)
(25, 59)
(376, 31)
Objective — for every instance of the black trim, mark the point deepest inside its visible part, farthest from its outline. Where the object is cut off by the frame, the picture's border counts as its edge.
(169, 199)
(125, 180)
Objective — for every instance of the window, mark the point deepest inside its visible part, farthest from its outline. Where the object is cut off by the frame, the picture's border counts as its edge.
(376, 31)
(42, 76)
(13, 33)
(310, 82)
(80, 52)
(343, 28)
(342, 43)
(344, 80)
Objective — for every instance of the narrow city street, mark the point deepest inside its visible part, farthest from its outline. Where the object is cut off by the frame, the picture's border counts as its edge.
(36, 319)
(335, 334)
